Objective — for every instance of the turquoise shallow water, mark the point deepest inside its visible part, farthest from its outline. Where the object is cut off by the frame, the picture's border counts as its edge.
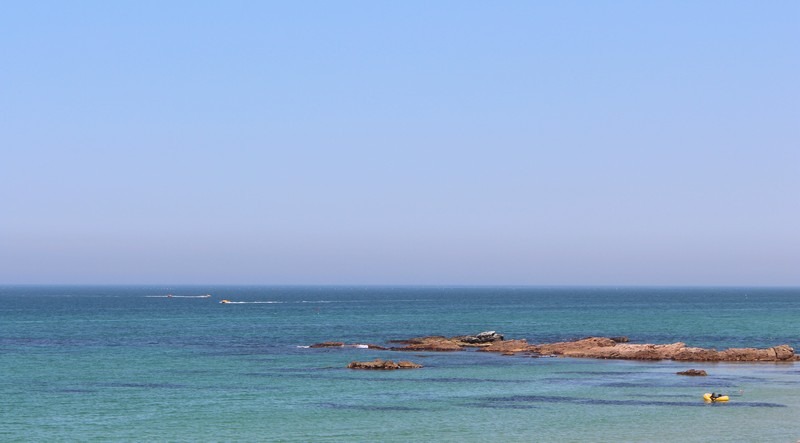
(129, 364)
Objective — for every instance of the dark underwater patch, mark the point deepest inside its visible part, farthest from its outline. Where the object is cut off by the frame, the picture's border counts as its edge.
(144, 385)
(74, 391)
(611, 373)
(650, 384)
(435, 380)
(545, 399)
(379, 408)
(381, 376)
(501, 405)
(466, 380)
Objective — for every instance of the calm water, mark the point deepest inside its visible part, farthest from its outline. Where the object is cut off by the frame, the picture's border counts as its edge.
(129, 364)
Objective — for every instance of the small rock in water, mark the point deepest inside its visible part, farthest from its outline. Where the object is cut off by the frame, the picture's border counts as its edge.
(693, 372)
(328, 344)
(383, 364)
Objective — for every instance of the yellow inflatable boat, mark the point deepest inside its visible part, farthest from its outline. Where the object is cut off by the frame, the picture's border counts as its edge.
(707, 397)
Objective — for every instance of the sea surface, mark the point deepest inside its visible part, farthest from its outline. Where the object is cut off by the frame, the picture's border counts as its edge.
(130, 363)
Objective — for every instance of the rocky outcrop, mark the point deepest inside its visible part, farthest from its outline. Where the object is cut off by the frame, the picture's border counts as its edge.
(436, 343)
(600, 347)
(776, 353)
(693, 373)
(443, 344)
(383, 365)
(590, 347)
(576, 348)
(508, 346)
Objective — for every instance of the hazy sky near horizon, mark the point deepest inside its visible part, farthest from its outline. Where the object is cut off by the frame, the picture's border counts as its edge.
(415, 142)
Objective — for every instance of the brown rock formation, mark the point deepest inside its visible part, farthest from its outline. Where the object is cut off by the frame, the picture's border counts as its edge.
(405, 364)
(591, 347)
(600, 347)
(383, 365)
(776, 353)
(784, 352)
(439, 344)
(508, 347)
(575, 348)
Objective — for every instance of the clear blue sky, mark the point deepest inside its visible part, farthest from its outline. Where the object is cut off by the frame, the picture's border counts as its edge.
(413, 142)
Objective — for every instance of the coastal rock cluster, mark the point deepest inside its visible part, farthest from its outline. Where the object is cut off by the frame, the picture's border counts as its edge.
(590, 347)
(599, 347)
(440, 343)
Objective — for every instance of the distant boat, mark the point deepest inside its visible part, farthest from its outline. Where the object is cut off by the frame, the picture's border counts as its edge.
(224, 301)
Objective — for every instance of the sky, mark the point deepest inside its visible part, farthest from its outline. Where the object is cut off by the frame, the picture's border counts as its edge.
(400, 143)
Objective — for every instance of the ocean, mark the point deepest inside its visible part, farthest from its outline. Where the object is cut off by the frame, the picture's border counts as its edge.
(130, 363)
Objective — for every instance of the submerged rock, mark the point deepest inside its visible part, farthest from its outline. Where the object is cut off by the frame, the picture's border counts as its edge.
(693, 373)
(328, 344)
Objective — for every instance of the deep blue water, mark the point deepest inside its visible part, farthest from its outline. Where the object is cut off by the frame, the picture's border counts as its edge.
(129, 363)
